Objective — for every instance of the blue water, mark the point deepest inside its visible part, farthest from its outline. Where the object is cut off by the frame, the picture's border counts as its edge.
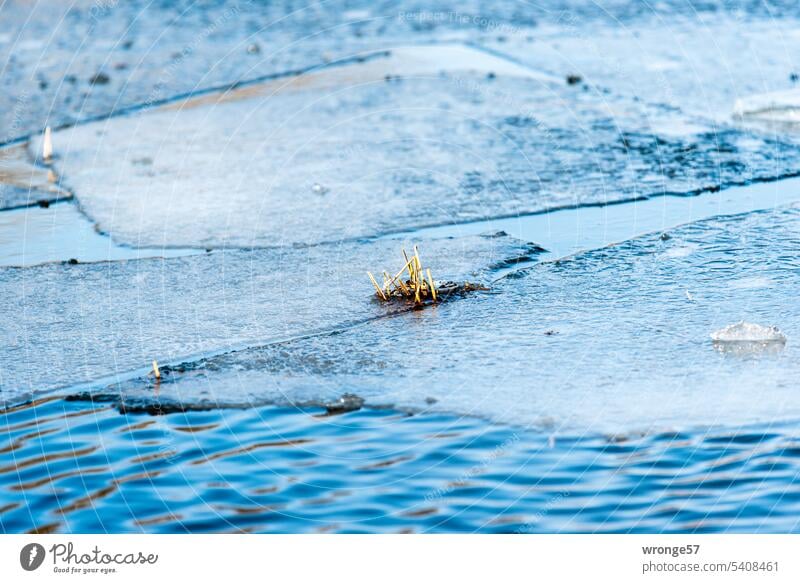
(69, 466)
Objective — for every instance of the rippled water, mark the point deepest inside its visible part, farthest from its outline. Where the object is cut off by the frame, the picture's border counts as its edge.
(70, 466)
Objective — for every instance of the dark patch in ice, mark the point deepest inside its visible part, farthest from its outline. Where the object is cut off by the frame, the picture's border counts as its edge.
(346, 403)
(99, 79)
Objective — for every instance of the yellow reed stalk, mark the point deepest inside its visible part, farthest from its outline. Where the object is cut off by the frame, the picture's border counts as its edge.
(433, 287)
(410, 271)
(399, 273)
(420, 277)
(156, 371)
(403, 288)
(388, 281)
(418, 267)
(396, 279)
(377, 287)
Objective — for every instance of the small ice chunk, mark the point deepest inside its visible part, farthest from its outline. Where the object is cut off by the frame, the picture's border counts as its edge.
(747, 332)
(317, 188)
(778, 106)
(47, 145)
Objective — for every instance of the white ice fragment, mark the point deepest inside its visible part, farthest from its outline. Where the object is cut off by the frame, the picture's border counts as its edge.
(317, 188)
(747, 332)
(47, 144)
(779, 106)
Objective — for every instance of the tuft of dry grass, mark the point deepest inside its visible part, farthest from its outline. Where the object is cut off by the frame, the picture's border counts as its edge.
(413, 286)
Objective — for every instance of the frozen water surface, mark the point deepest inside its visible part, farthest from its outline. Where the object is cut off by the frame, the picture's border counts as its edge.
(615, 339)
(570, 231)
(23, 183)
(695, 64)
(411, 138)
(52, 51)
(73, 324)
(394, 145)
(59, 232)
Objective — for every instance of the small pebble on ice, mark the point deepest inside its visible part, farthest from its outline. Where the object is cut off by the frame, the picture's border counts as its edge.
(99, 79)
(747, 332)
(317, 188)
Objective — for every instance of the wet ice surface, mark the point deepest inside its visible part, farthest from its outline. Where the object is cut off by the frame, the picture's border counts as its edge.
(75, 324)
(570, 231)
(59, 232)
(24, 183)
(695, 64)
(145, 52)
(390, 154)
(611, 340)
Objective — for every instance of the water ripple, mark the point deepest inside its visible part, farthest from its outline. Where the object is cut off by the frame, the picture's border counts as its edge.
(89, 469)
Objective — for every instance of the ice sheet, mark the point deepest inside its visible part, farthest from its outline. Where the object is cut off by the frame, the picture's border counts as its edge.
(701, 64)
(25, 183)
(71, 324)
(612, 340)
(59, 232)
(393, 146)
(148, 52)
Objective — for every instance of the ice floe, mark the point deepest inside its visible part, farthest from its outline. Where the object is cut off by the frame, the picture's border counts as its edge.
(694, 64)
(631, 352)
(77, 324)
(778, 106)
(411, 138)
(748, 332)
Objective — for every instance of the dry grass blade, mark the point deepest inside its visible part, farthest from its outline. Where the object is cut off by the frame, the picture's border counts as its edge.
(377, 287)
(433, 287)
